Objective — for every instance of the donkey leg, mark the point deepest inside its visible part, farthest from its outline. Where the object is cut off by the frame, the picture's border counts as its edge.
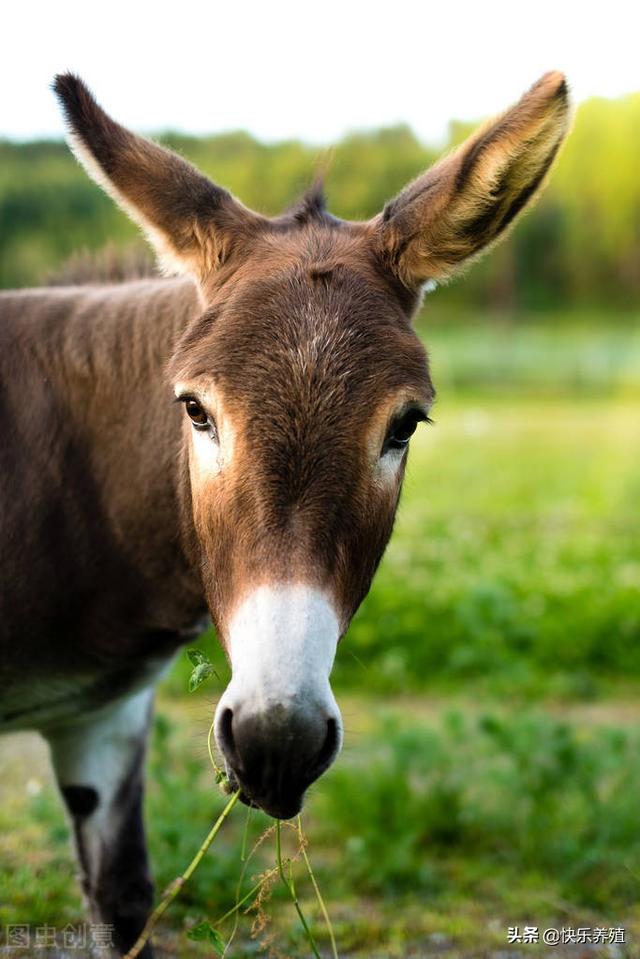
(98, 763)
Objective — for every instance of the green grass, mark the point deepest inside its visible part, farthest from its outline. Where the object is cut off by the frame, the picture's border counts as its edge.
(462, 824)
(517, 797)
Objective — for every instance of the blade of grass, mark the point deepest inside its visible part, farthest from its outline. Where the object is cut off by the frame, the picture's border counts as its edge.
(292, 892)
(239, 902)
(261, 838)
(174, 888)
(323, 908)
(221, 777)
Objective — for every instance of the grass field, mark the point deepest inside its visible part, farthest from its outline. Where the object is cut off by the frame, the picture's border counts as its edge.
(444, 823)
(491, 772)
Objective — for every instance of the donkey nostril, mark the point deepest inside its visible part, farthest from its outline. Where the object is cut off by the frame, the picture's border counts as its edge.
(329, 747)
(226, 736)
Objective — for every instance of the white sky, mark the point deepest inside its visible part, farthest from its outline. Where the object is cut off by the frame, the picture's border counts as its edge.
(281, 69)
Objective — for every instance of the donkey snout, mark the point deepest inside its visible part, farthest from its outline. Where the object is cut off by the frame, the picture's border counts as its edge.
(277, 753)
(278, 724)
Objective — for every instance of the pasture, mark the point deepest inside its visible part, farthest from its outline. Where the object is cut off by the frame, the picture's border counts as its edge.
(489, 684)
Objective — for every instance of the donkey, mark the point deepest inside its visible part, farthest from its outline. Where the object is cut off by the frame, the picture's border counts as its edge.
(232, 442)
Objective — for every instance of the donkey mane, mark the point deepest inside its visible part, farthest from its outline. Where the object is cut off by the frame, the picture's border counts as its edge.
(105, 266)
(312, 205)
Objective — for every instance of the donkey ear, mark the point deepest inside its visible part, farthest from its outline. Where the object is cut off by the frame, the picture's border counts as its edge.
(192, 223)
(468, 200)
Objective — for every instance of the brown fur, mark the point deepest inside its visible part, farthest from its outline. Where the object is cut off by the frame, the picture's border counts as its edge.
(92, 580)
(306, 341)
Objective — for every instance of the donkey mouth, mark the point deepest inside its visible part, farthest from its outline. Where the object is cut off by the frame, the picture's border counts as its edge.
(280, 806)
(273, 760)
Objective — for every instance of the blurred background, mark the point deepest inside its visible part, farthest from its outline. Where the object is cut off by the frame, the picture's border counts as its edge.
(490, 681)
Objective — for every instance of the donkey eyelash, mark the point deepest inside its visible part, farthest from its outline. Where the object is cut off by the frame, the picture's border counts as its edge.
(420, 415)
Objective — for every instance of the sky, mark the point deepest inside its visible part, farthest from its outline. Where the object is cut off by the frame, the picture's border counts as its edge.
(282, 69)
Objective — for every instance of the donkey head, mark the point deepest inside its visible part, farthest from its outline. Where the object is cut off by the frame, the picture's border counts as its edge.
(302, 382)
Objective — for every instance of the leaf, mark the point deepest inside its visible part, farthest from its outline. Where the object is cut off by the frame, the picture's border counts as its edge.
(216, 941)
(197, 657)
(200, 675)
(199, 932)
(204, 930)
(203, 668)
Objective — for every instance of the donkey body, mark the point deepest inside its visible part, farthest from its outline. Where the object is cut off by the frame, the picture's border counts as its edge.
(264, 497)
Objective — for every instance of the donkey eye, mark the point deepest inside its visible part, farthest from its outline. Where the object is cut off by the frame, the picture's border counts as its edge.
(403, 429)
(196, 414)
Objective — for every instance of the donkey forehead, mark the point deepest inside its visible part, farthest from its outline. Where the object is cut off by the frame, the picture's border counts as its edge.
(303, 334)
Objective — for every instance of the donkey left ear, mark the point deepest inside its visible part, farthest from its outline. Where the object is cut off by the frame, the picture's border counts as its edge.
(467, 201)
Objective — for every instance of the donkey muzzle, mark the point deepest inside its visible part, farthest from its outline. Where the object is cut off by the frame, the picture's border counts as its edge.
(274, 756)
(278, 725)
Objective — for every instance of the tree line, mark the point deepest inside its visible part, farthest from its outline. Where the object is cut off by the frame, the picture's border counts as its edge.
(579, 249)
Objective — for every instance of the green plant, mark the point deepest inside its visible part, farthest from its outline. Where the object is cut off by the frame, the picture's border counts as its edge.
(204, 930)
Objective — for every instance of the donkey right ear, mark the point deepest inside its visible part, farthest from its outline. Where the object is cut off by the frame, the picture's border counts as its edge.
(192, 224)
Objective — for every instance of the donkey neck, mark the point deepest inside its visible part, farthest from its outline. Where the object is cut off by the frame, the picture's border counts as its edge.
(116, 349)
(95, 446)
